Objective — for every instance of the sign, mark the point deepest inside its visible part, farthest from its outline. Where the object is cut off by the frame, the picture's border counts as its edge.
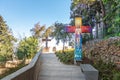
(85, 29)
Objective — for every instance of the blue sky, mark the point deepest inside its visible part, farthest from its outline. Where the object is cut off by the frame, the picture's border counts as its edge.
(21, 15)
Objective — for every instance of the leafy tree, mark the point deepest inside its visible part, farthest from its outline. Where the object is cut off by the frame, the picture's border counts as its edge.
(27, 47)
(6, 40)
(102, 11)
(59, 34)
(86, 10)
(112, 17)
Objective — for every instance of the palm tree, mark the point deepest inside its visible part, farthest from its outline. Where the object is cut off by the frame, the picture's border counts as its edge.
(59, 34)
(37, 31)
(46, 34)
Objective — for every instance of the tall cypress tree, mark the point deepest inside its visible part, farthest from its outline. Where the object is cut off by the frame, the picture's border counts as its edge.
(6, 40)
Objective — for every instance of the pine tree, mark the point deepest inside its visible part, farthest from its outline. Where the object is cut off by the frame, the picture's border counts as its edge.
(6, 40)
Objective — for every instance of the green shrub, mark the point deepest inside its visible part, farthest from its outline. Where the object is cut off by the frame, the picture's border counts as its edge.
(85, 38)
(116, 76)
(27, 47)
(112, 35)
(67, 57)
(20, 55)
(2, 58)
(117, 43)
(106, 70)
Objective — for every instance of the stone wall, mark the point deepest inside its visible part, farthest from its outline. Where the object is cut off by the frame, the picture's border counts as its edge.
(107, 50)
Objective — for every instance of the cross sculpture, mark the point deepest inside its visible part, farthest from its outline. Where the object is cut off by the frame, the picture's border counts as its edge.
(46, 41)
(78, 39)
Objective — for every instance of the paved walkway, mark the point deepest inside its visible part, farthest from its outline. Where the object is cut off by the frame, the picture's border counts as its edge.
(53, 69)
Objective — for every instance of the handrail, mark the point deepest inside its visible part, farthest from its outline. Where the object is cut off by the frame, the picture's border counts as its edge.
(27, 71)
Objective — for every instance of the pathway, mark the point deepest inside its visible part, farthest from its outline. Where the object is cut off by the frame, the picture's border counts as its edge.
(53, 69)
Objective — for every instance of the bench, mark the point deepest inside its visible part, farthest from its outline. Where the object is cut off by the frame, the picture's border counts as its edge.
(89, 71)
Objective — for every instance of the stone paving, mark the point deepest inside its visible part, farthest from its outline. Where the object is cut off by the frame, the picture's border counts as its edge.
(53, 69)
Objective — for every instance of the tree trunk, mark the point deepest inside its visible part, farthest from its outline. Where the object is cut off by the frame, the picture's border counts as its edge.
(96, 26)
(63, 46)
(102, 8)
(46, 42)
(103, 15)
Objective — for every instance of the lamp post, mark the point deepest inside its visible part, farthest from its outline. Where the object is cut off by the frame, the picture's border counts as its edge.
(78, 39)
